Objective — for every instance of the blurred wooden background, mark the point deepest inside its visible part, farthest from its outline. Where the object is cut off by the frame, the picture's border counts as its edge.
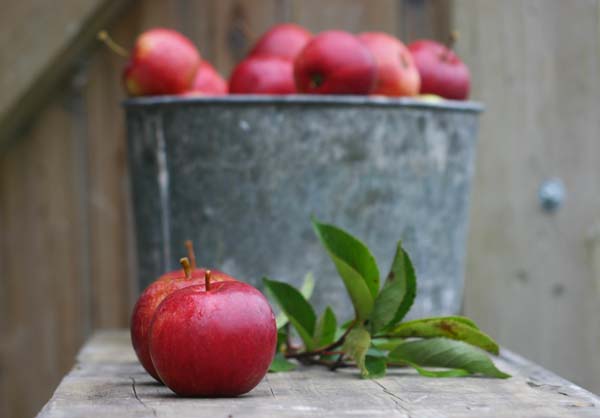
(66, 253)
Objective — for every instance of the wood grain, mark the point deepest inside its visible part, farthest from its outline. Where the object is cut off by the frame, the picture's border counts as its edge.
(530, 275)
(529, 279)
(424, 19)
(349, 15)
(108, 382)
(42, 235)
(41, 42)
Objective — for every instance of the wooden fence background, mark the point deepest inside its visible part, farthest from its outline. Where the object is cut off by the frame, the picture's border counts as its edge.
(66, 253)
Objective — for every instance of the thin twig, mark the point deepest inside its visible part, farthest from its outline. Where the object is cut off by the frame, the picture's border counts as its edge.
(322, 350)
(332, 353)
(327, 363)
(337, 363)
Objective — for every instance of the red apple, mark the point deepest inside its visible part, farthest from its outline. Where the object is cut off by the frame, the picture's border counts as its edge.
(213, 340)
(335, 62)
(442, 71)
(152, 296)
(207, 82)
(285, 41)
(262, 75)
(163, 61)
(397, 74)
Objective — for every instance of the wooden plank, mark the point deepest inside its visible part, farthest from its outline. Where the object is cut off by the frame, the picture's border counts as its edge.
(4, 289)
(44, 302)
(420, 19)
(349, 15)
(12, 237)
(32, 64)
(108, 382)
(107, 183)
(237, 24)
(529, 277)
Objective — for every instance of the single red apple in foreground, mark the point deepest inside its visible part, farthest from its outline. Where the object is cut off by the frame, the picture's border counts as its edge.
(397, 74)
(335, 62)
(442, 71)
(163, 61)
(213, 340)
(285, 41)
(262, 75)
(152, 296)
(207, 82)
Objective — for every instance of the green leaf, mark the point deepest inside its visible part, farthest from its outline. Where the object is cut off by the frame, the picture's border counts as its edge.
(347, 324)
(397, 295)
(338, 333)
(447, 327)
(375, 352)
(281, 338)
(308, 285)
(280, 320)
(356, 345)
(386, 344)
(463, 319)
(281, 364)
(354, 263)
(376, 366)
(326, 328)
(300, 313)
(439, 373)
(442, 352)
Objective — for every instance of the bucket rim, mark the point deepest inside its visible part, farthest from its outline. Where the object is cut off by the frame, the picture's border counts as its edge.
(306, 99)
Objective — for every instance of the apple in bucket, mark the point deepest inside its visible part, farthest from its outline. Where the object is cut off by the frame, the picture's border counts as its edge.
(442, 71)
(335, 62)
(207, 82)
(263, 75)
(285, 40)
(163, 61)
(397, 74)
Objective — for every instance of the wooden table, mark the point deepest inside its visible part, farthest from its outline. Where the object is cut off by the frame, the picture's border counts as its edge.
(107, 381)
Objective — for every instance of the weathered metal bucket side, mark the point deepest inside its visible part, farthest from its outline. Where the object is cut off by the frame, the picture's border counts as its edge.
(241, 176)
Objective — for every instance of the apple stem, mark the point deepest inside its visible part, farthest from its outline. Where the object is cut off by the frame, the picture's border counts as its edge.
(104, 37)
(207, 280)
(191, 255)
(452, 38)
(185, 263)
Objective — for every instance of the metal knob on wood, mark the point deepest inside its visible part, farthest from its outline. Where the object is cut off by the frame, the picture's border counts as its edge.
(551, 194)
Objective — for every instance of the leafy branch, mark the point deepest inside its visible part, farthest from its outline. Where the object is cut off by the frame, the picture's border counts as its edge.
(327, 350)
(377, 337)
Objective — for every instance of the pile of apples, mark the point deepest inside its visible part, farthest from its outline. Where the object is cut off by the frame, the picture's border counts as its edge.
(203, 333)
(288, 59)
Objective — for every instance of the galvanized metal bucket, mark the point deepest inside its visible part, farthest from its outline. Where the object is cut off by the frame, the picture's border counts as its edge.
(241, 175)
